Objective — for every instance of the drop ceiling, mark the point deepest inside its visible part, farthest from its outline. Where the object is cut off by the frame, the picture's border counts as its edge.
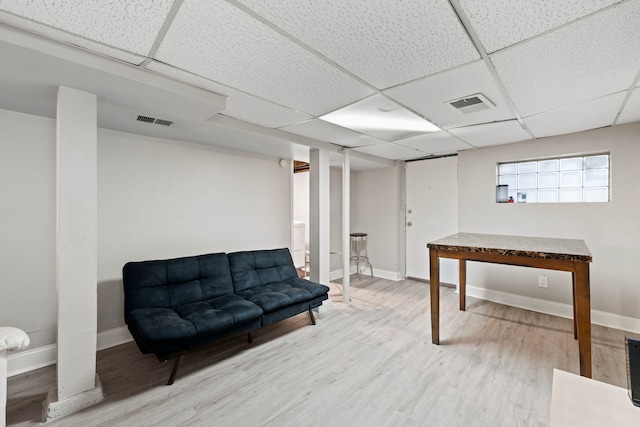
(546, 68)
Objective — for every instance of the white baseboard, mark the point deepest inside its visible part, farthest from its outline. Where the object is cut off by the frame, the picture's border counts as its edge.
(598, 317)
(389, 275)
(383, 274)
(113, 337)
(31, 359)
(28, 360)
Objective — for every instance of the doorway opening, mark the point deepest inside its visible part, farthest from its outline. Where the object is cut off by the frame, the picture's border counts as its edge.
(300, 226)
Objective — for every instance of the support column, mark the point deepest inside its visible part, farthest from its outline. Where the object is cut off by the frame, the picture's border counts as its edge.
(78, 385)
(346, 224)
(319, 217)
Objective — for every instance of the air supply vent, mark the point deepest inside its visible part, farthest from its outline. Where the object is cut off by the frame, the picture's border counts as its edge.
(147, 119)
(471, 103)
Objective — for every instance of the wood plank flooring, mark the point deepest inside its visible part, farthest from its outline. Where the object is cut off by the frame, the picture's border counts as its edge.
(370, 363)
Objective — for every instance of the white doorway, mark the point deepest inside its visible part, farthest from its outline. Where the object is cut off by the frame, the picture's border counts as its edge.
(300, 226)
(431, 213)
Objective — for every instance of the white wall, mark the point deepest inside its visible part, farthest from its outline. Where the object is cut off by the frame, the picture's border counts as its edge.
(156, 199)
(28, 225)
(611, 230)
(375, 210)
(160, 199)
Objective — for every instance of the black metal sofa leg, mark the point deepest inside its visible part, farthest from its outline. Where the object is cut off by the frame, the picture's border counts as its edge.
(313, 319)
(174, 371)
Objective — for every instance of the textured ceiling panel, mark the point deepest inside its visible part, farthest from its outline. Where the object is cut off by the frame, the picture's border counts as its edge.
(218, 41)
(132, 26)
(239, 105)
(588, 59)
(390, 150)
(521, 19)
(588, 115)
(429, 96)
(325, 131)
(383, 42)
(435, 143)
(73, 39)
(489, 134)
(631, 112)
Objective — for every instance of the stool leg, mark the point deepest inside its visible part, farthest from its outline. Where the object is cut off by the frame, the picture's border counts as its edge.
(370, 267)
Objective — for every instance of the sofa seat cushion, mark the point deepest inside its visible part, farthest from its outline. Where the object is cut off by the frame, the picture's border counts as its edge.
(279, 295)
(161, 324)
(193, 320)
(219, 314)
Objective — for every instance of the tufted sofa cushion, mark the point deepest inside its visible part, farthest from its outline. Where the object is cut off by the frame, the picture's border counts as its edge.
(174, 282)
(269, 279)
(251, 269)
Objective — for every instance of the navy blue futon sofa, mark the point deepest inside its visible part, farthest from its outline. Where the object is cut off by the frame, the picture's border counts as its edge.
(174, 305)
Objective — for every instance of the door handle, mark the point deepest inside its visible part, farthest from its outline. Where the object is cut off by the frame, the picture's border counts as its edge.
(409, 224)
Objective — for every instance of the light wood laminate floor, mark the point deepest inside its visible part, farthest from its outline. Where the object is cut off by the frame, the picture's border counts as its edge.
(367, 364)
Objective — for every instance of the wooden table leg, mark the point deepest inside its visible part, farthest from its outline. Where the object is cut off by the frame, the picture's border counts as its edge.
(583, 314)
(575, 319)
(434, 283)
(462, 269)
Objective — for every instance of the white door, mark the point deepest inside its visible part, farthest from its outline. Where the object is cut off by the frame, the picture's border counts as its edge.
(432, 213)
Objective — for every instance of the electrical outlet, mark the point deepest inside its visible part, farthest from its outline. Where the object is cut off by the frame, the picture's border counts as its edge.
(543, 282)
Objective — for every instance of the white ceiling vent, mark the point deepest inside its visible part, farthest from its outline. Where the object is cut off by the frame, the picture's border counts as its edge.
(471, 103)
(147, 119)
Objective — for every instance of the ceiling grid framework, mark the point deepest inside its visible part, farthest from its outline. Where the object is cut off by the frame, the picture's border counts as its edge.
(548, 67)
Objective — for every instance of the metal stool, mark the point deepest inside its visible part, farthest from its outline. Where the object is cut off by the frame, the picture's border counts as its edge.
(359, 251)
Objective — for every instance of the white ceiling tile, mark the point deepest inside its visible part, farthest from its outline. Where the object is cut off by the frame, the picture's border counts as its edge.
(500, 23)
(488, 134)
(429, 96)
(390, 150)
(588, 115)
(631, 111)
(435, 143)
(239, 105)
(571, 65)
(132, 26)
(218, 41)
(72, 39)
(383, 42)
(325, 131)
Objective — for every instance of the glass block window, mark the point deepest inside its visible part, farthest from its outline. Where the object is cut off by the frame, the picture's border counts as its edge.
(578, 179)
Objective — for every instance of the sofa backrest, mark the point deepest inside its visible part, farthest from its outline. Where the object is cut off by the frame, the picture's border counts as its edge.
(250, 269)
(174, 282)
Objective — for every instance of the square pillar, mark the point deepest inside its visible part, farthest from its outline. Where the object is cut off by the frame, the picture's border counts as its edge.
(77, 258)
(319, 215)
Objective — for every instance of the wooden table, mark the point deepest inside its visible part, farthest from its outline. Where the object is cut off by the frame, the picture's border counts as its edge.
(553, 254)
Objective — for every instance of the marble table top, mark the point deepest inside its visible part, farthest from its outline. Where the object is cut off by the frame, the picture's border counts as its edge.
(535, 247)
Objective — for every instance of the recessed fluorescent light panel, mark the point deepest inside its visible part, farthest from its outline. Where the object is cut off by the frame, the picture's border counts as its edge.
(382, 118)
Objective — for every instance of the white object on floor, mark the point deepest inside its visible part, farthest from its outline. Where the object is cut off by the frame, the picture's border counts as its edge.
(580, 401)
(10, 339)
